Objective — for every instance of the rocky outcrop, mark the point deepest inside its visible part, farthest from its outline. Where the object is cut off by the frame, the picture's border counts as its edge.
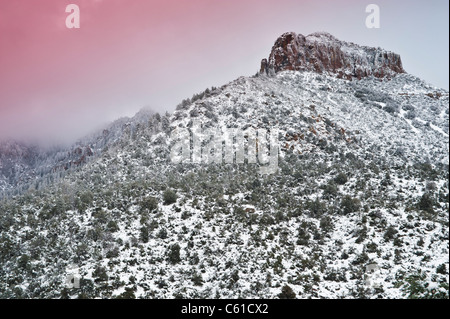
(323, 53)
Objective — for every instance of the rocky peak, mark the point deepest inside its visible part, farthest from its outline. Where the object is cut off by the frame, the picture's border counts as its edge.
(321, 52)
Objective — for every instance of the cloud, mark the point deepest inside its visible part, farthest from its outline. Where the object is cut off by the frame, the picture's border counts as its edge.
(60, 82)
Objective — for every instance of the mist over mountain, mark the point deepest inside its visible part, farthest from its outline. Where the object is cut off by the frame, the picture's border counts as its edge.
(361, 184)
(24, 163)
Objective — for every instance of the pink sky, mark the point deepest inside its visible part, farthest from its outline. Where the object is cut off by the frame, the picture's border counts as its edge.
(57, 83)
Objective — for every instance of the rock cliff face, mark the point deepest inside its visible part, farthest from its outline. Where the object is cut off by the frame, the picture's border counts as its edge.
(322, 52)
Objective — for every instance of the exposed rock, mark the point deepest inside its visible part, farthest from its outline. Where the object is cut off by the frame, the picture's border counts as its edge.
(323, 53)
(264, 65)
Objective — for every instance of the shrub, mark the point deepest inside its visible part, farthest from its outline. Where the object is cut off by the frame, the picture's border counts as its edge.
(350, 205)
(287, 293)
(426, 203)
(197, 279)
(86, 200)
(170, 197)
(341, 179)
(87, 290)
(100, 215)
(113, 253)
(100, 274)
(23, 261)
(415, 286)
(144, 234)
(303, 236)
(112, 226)
(316, 207)
(390, 108)
(149, 204)
(326, 224)
(330, 190)
(390, 233)
(442, 269)
(162, 233)
(174, 254)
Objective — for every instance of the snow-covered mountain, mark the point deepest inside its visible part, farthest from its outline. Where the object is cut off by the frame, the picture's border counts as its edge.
(358, 207)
